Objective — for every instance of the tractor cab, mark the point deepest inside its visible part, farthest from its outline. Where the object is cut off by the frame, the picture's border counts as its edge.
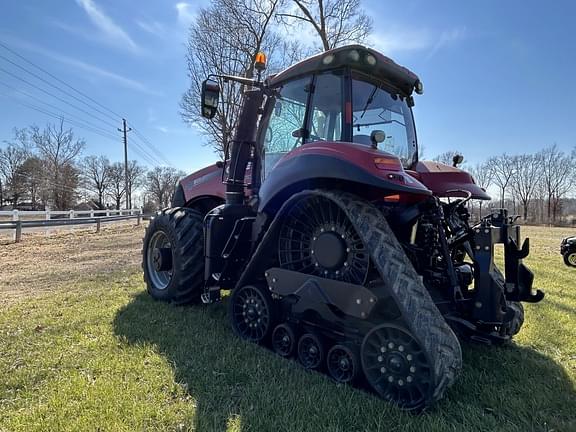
(346, 95)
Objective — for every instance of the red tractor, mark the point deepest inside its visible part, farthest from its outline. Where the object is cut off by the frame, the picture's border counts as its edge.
(339, 247)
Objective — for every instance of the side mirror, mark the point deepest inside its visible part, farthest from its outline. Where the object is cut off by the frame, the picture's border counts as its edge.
(210, 96)
(376, 137)
(457, 160)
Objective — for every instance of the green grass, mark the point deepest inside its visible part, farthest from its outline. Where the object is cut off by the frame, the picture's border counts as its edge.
(100, 355)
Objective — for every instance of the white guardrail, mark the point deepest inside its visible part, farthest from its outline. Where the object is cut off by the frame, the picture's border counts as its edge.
(63, 218)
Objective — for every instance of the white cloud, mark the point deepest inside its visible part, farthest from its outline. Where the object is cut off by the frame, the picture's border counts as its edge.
(104, 73)
(447, 37)
(396, 40)
(107, 26)
(185, 14)
(152, 27)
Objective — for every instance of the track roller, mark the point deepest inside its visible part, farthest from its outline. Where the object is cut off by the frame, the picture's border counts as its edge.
(310, 351)
(396, 367)
(342, 363)
(252, 313)
(284, 340)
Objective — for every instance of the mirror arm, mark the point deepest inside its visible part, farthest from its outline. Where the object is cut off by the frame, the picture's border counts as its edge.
(241, 80)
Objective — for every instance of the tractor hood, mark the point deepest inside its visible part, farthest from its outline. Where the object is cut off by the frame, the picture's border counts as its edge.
(444, 180)
(569, 240)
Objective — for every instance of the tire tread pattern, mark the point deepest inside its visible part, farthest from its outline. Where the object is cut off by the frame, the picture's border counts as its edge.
(419, 312)
(187, 227)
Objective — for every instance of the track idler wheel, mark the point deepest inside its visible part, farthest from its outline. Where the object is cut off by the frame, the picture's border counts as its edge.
(342, 363)
(284, 340)
(310, 351)
(396, 367)
(252, 313)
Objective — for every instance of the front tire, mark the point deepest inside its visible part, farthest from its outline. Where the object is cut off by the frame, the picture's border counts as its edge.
(570, 259)
(173, 256)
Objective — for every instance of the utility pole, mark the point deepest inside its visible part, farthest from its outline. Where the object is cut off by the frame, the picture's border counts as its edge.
(125, 131)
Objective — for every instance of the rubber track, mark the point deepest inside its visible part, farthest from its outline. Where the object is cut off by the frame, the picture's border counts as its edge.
(188, 226)
(419, 312)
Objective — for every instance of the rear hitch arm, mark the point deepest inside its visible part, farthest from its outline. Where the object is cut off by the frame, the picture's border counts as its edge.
(491, 290)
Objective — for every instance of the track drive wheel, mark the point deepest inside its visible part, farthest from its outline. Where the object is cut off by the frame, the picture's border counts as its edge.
(284, 340)
(342, 363)
(173, 256)
(310, 351)
(396, 367)
(252, 313)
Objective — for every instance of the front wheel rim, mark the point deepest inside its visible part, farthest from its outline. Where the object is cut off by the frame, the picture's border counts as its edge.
(572, 259)
(160, 279)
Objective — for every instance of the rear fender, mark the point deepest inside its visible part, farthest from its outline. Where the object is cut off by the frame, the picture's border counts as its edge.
(204, 203)
(303, 171)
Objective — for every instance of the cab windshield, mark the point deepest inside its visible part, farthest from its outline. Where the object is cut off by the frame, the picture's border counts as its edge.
(318, 108)
(375, 109)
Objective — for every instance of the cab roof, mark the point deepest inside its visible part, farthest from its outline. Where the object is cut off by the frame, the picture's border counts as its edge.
(358, 58)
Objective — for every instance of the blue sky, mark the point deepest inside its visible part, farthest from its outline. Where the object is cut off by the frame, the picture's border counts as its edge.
(498, 75)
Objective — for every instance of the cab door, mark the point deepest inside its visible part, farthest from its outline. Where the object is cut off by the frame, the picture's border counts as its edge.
(286, 129)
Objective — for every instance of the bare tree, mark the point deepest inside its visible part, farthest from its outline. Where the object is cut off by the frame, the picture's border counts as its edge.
(502, 172)
(336, 22)
(557, 176)
(96, 176)
(117, 184)
(447, 157)
(527, 173)
(483, 176)
(225, 39)
(11, 160)
(136, 177)
(59, 149)
(35, 181)
(160, 184)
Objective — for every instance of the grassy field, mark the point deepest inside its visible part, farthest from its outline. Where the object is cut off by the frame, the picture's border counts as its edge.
(83, 348)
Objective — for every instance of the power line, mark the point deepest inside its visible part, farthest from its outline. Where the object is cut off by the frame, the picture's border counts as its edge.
(143, 154)
(53, 95)
(151, 146)
(55, 86)
(58, 79)
(60, 117)
(31, 96)
(141, 151)
(138, 149)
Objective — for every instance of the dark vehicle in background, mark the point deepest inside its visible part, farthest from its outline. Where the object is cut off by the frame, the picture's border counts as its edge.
(568, 251)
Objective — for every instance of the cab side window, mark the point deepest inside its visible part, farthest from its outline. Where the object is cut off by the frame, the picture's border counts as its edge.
(325, 122)
(285, 128)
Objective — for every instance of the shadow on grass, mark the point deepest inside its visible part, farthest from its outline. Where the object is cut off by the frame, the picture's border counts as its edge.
(513, 388)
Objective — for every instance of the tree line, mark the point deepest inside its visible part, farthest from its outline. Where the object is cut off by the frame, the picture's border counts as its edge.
(44, 168)
(540, 186)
